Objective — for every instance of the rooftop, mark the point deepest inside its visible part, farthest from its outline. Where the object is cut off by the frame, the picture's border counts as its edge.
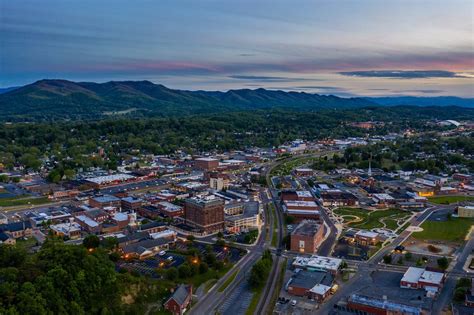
(307, 228)
(318, 262)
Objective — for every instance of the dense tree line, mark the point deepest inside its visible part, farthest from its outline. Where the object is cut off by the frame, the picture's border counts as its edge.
(67, 146)
(427, 152)
(59, 279)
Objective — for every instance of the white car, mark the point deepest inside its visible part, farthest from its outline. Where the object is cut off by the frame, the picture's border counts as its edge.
(293, 302)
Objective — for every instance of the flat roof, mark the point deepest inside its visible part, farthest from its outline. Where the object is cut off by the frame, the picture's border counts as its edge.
(307, 227)
(300, 203)
(318, 262)
(206, 159)
(109, 178)
(414, 275)
(320, 289)
(368, 234)
(304, 193)
(105, 198)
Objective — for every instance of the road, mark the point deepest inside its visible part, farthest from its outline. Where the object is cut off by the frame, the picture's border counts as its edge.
(219, 301)
(452, 277)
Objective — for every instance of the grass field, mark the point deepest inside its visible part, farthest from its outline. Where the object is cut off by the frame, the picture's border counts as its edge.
(449, 199)
(23, 201)
(453, 230)
(274, 230)
(372, 219)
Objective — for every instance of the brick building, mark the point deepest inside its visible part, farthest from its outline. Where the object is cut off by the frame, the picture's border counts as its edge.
(307, 237)
(206, 214)
(206, 163)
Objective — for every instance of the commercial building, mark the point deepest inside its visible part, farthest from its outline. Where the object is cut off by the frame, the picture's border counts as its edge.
(465, 211)
(304, 172)
(206, 163)
(314, 285)
(418, 278)
(318, 263)
(131, 203)
(115, 179)
(242, 216)
(306, 237)
(366, 238)
(205, 214)
(71, 230)
(338, 198)
(170, 210)
(371, 305)
(219, 181)
(296, 195)
(302, 209)
(105, 201)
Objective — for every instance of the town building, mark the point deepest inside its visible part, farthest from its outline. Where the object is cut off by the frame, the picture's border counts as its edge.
(71, 230)
(206, 163)
(109, 180)
(366, 238)
(306, 237)
(315, 263)
(131, 203)
(362, 304)
(301, 210)
(219, 181)
(104, 201)
(315, 285)
(242, 216)
(419, 278)
(304, 172)
(338, 198)
(465, 211)
(180, 300)
(170, 210)
(205, 214)
(296, 195)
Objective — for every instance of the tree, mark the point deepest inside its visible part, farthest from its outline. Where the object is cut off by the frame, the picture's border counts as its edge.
(387, 259)
(443, 263)
(91, 241)
(172, 274)
(110, 243)
(220, 235)
(190, 238)
(203, 267)
(184, 271)
(408, 256)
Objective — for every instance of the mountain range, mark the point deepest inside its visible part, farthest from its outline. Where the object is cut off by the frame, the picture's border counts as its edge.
(57, 99)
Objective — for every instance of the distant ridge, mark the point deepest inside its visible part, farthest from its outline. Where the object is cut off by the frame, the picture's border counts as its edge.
(423, 101)
(62, 98)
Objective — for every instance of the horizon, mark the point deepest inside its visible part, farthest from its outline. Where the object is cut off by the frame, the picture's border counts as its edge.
(354, 49)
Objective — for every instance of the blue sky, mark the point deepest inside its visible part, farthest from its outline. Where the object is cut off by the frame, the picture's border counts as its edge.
(329, 47)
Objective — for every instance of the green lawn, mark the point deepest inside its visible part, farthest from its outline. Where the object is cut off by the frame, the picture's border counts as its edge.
(371, 219)
(449, 199)
(274, 225)
(23, 201)
(453, 230)
(228, 281)
(199, 279)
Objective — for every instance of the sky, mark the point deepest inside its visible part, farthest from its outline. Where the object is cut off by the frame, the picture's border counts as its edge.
(341, 47)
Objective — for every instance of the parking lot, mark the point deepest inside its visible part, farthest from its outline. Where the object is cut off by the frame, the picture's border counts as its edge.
(231, 253)
(149, 266)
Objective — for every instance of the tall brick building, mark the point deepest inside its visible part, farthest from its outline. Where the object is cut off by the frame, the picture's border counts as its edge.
(307, 237)
(206, 214)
